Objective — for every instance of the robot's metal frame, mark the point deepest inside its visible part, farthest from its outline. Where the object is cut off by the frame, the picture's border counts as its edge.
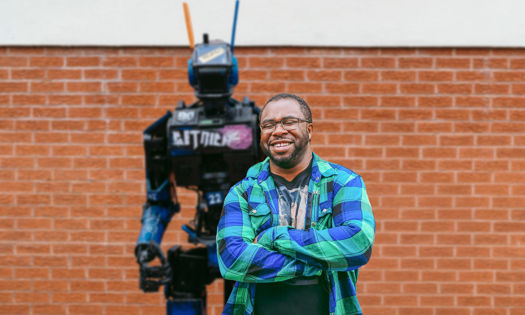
(207, 146)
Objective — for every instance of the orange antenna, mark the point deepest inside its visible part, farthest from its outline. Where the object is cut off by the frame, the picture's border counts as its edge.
(188, 24)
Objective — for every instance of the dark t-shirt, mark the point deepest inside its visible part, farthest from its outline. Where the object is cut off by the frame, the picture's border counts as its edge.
(302, 295)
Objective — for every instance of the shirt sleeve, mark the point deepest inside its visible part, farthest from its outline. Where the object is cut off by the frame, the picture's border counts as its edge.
(240, 259)
(344, 247)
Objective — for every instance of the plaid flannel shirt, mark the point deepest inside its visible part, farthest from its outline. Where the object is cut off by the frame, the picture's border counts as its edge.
(337, 241)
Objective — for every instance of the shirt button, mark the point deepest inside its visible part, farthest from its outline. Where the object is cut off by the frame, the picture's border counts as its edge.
(254, 211)
(315, 192)
(317, 178)
(313, 224)
(324, 210)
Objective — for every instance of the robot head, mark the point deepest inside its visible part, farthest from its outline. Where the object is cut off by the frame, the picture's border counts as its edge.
(213, 70)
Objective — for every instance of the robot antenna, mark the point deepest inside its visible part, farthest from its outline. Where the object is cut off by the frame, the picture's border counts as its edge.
(234, 24)
(188, 24)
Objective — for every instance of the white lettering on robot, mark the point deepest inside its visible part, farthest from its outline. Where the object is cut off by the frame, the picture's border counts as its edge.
(185, 116)
(236, 137)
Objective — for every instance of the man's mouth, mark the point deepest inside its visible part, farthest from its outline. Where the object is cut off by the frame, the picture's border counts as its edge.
(281, 146)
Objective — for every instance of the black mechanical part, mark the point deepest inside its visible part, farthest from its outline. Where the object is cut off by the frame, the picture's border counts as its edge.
(151, 278)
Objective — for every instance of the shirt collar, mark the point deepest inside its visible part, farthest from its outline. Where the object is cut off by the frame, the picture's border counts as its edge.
(320, 168)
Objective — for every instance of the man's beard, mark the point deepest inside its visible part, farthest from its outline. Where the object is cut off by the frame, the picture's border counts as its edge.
(288, 160)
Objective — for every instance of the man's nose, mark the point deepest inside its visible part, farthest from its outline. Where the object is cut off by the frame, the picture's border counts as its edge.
(279, 129)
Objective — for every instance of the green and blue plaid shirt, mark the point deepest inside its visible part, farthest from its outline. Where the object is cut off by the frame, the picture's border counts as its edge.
(337, 241)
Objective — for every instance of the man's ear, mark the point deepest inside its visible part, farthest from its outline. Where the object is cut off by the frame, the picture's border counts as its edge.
(310, 130)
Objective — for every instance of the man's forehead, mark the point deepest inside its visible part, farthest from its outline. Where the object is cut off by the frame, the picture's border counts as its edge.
(282, 108)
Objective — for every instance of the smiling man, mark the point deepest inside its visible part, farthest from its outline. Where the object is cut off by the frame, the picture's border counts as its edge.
(294, 232)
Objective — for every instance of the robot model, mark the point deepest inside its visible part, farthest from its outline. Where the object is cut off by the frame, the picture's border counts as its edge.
(207, 146)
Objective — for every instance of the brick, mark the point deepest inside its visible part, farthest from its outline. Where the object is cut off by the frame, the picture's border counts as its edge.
(398, 127)
(493, 140)
(24, 99)
(413, 114)
(46, 87)
(122, 61)
(432, 202)
(453, 63)
(434, 127)
(517, 115)
(31, 125)
(103, 74)
(288, 75)
(508, 127)
(419, 140)
(100, 99)
(404, 176)
(398, 75)
(337, 62)
(472, 101)
(456, 140)
(64, 99)
(146, 74)
(434, 101)
(158, 62)
(315, 100)
(361, 75)
(343, 88)
(138, 99)
(418, 165)
(492, 88)
(398, 101)
(378, 62)
(303, 62)
(271, 87)
(83, 61)
(378, 114)
(447, 88)
(324, 75)
(67, 74)
(46, 62)
(508, 102)
(87, 87)
(266, 62)
(471, 127)
(9, 87)
(341, 114)
(420, 288)
(379, 88)
(415, 62)
(157, 87)
(27, 74)
(518, 88)
(435, 76)
(13, 61)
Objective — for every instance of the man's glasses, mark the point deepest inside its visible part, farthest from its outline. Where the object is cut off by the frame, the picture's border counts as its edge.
(287, 124)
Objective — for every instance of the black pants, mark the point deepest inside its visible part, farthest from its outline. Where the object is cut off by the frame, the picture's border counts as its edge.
(283, 299)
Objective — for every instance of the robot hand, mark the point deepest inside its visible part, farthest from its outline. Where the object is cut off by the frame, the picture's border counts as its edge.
(152, 277)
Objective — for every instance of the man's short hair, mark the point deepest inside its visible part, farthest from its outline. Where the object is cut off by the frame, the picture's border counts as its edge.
(303, 106)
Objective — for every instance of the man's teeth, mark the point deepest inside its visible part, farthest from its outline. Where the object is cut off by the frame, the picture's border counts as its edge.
(281, 144)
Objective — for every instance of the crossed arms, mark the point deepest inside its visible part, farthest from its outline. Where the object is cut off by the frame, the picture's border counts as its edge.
(283, 252)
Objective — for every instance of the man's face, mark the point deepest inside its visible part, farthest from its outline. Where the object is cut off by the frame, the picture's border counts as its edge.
(285, 148)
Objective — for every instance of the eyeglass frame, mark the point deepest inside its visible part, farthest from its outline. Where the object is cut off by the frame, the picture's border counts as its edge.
(281, 123)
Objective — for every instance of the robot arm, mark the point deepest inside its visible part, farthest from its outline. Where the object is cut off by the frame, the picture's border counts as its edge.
(159, 208)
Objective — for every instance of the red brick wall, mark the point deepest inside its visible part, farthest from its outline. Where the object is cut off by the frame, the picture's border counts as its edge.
(437, 134)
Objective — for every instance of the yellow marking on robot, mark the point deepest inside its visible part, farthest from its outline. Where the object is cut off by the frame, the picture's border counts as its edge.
(211, 55)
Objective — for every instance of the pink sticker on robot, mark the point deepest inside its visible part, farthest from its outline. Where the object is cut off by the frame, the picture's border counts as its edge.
(237, 137)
